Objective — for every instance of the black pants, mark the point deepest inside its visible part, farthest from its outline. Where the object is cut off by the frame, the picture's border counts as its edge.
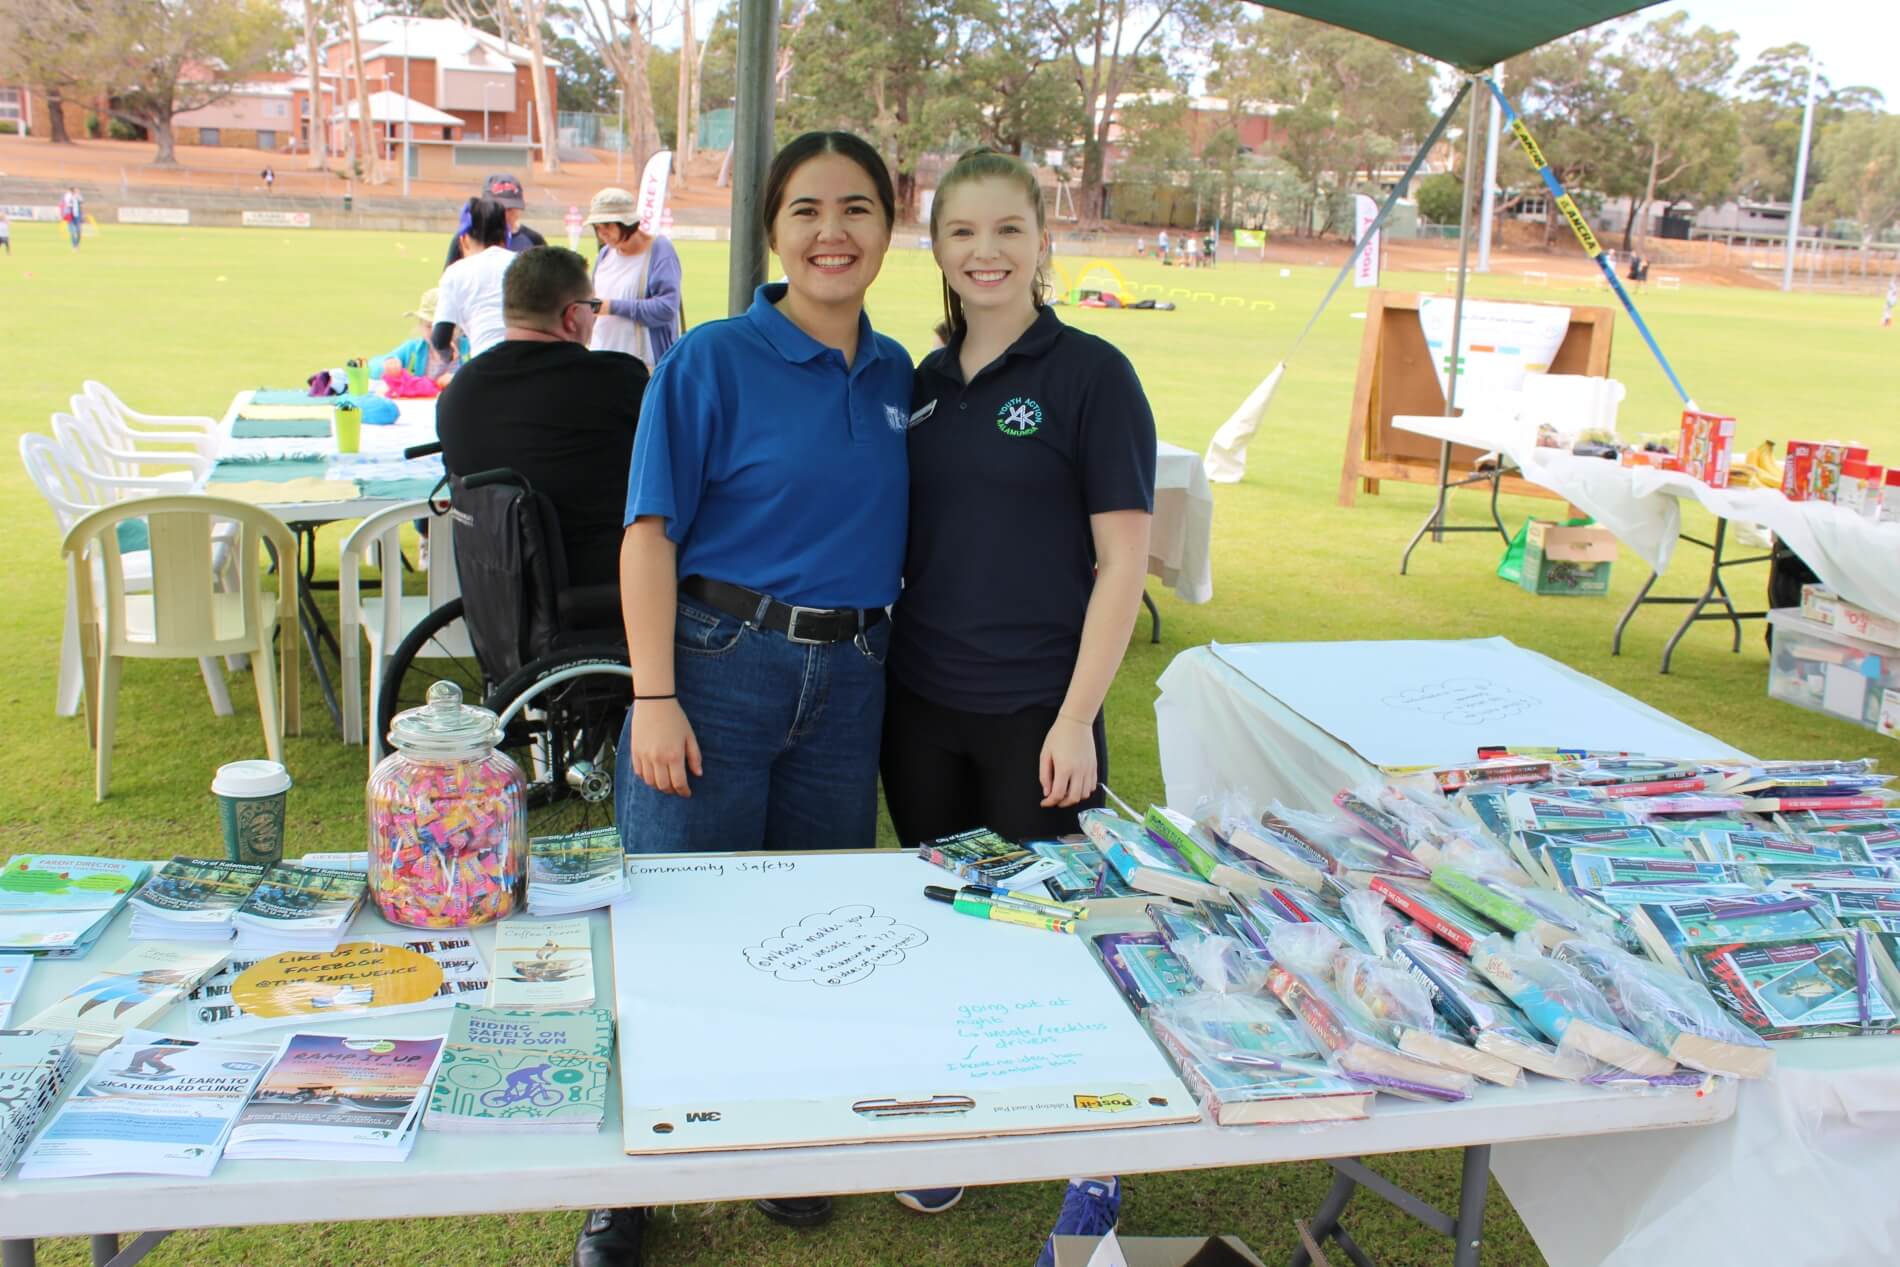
(947, 771)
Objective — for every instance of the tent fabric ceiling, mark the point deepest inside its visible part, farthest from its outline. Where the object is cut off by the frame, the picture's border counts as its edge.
(1472, 35)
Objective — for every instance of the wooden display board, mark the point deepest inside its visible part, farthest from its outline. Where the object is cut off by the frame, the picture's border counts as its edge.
(1396, 377)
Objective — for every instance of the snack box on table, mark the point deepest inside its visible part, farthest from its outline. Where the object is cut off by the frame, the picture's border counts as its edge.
(1812, 471)
(1708, 441)
(1564, 560)
(1828, 671)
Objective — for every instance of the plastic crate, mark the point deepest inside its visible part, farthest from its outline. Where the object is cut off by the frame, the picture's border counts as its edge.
(1827, 671)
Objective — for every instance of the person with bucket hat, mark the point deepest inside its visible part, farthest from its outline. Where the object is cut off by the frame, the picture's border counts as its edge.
(637, 275)
(506, 190)
(415, 355)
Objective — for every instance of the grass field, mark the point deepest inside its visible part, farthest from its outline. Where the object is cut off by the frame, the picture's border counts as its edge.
(176, 320)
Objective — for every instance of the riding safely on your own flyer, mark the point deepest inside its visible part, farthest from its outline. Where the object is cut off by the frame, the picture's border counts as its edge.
(523, 1072)
(358, 978)
(153, 1105)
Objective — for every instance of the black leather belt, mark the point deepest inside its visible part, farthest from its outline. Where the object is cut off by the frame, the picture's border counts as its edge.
(798, 624)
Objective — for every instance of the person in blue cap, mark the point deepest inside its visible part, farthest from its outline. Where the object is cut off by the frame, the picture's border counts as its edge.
(506, 190)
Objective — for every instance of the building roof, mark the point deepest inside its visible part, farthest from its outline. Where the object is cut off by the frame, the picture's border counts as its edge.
(443, 41)
(387, 107)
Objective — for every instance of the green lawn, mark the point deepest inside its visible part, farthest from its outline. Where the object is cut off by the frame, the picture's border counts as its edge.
(176, 320)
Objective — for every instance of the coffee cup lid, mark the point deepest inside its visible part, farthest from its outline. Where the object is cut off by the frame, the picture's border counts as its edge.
(251, 778)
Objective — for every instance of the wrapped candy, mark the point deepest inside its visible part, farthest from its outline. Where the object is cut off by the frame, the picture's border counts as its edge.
(448, 835)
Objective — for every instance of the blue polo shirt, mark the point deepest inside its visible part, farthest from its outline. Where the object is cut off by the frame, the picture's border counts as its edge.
(775, 465)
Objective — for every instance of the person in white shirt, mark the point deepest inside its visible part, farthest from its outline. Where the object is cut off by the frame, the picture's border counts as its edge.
(637, 276)
(470, 290)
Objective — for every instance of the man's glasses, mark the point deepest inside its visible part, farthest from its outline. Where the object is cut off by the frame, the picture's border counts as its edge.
(592, 304)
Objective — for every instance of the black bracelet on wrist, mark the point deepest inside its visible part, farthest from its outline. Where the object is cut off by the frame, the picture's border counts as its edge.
(668, 695)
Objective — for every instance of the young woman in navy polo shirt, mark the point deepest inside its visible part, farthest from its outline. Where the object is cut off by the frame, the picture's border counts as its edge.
(1032, 467)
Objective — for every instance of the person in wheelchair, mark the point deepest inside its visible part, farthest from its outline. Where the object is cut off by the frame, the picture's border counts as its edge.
(563, 417)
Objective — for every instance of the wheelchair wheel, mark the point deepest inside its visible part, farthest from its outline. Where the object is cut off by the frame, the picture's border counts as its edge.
(561, 719)
(436, 650)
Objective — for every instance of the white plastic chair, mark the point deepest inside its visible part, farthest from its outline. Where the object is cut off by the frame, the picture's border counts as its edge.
(133, 420)
(184, 616)
(86, 445)
(154, 446)
(70, 494)
(384, 619)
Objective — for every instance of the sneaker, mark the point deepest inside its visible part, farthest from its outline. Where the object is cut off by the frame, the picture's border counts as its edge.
(1090, 1207)
(929, 1200)
(610, 1238)
(796, 1211)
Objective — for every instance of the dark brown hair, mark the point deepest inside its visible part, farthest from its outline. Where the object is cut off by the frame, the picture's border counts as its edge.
(487, 222)
(803, 148)
(540, 284)
(988, 164)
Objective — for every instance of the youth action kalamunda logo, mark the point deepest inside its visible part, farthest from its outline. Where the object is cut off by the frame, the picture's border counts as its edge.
(1019, 416)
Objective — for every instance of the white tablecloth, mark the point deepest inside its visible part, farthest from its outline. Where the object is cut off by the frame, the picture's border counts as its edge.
(1805, 1172)
(1855, 557)
(1183, 524)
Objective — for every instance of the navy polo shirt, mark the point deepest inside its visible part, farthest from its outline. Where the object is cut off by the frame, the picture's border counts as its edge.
(775, 465)
(1005, 471)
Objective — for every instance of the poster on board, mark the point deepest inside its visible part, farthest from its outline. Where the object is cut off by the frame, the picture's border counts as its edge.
(1498, 344)
(800, 999)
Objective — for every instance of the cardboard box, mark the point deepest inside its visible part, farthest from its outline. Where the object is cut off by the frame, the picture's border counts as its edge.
(1708, 442)
(1152, 1251)
(1828, 671)
(1887, 509)
(1649, 457)
(1813, 471)
(1571, 561)
(1824, 607)
(1860, 488)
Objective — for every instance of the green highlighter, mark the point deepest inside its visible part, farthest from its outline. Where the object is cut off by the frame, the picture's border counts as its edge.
(966, 902)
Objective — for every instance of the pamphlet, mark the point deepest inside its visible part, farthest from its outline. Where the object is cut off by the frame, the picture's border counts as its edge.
(338, 1097)
(358, 978)
(543, 964)
(13, 970)
(505, 1071)
(130, 994)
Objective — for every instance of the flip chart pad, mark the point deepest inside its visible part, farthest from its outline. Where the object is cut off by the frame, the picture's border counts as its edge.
(779, 1000)
(1428, 703)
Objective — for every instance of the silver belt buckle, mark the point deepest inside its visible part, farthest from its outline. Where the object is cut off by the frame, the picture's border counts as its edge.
(791, 626)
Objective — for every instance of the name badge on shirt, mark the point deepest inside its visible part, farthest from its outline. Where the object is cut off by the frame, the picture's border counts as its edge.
(920, 414)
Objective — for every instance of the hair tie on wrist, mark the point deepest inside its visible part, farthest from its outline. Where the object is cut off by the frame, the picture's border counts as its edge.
(668, 695)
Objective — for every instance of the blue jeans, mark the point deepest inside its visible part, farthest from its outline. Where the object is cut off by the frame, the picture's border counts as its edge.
(788, 735)
(72, 231)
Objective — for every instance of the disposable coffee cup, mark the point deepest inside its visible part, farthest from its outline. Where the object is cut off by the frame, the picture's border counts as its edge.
(357, 372)
(349, 429)
(251, 808)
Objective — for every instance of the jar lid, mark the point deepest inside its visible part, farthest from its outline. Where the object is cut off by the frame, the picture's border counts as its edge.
(445, 726)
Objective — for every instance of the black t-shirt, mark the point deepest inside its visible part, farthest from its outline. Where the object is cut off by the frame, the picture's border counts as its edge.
(520, 240)
(1004, 474)
(562, 416)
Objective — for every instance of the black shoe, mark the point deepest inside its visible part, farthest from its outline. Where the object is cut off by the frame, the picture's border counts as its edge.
(611, 1238)
(796, 1211)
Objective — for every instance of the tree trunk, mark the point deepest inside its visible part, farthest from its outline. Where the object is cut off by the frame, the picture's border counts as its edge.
(1649, 194)
(1629, 225)
(161, 130)
(56, 116)
(317, 140)
(685, 131)
(643, 140)
(1089, 210)
(366, 154)
(549, 121)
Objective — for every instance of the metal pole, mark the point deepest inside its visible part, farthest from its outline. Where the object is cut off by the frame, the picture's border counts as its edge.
(620, 129)
(1490, 175)
(752, 146)
(408, 136)
(1457, 315)
(1800, 183)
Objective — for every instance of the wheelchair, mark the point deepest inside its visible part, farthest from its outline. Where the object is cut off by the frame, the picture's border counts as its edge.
(548, 659)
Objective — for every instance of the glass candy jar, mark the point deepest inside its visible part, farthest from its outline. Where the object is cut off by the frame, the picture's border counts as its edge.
(448, 828)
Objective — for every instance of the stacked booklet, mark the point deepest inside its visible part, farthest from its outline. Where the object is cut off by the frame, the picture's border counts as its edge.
(299, 908)
(56, 905)
(129, 994)
(13, 970)
(523, 1072)
(152, 1105)
(543, 965)
(315, 987)
(193, 899)
(338, 1097)
(34, 1067)
(577, 872)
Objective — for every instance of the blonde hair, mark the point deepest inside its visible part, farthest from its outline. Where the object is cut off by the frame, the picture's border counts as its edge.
(988, 164)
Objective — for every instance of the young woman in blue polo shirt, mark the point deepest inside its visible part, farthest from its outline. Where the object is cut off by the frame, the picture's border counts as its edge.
(1032, 465)
(764, 538)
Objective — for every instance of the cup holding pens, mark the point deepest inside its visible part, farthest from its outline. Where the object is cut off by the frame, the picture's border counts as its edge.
(356, 370)
(349, 429)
